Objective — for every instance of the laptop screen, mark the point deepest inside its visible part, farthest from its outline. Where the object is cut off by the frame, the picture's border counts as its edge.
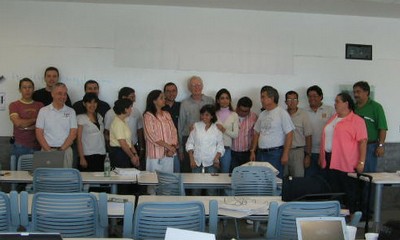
(316, 228)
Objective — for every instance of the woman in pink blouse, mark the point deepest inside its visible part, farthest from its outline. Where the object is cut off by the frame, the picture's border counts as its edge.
(343, 148)
(160, 134)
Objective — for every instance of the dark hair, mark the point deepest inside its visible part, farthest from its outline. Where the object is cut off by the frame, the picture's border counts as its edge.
(209, 108)
(316, 89)
(169, 84)
(245, 102)
(271, 93)
(125, 91)
(291, 93)
(121, 104)
(347, 98)
(51, 69)
(25, 80)
(363, 85)
(219, 94)
(90, 82)
(151, 97)
(88, 97)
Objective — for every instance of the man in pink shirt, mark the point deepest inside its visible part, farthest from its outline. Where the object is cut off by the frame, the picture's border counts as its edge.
(241, 145)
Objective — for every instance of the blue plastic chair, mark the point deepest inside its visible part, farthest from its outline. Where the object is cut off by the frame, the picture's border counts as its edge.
(70, 214)
(25, 162)
(282, 219)
(9, 212)
(151, 219)
(57, 180)
(170, 184)
(253, 181)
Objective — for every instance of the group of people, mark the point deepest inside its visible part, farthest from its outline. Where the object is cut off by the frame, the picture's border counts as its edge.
(203, 134)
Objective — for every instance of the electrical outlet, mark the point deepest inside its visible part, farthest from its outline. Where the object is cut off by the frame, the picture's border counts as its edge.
(2, 101)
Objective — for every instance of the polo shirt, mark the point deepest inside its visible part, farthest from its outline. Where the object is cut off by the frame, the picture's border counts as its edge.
(318, 120)
(302, 128)
(374, 117)
(56, 124)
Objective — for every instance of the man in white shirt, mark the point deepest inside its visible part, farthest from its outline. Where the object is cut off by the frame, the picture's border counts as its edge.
(318, 114)
(56, 125)
(273, 132)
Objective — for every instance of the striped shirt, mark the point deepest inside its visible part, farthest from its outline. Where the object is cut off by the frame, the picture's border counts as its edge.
(243, 142)
(160, 128)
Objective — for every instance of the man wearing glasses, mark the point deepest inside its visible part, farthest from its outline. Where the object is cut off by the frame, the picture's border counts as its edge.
(300, 152)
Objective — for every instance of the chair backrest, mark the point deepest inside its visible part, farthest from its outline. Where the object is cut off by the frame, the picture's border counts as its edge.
(25, 162)
(169, 184)
(9, 212)
(71, 214)
(152, 218)
(57, 180)
(253, 181)
(282, 219)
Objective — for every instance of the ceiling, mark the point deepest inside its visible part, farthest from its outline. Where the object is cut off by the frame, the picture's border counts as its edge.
(370, 8)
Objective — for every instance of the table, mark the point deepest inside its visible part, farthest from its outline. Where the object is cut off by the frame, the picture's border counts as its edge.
(380, 180)
(194, 180)
(87, 178)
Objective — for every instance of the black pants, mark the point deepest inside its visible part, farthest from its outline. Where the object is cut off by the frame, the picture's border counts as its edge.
(341, 182)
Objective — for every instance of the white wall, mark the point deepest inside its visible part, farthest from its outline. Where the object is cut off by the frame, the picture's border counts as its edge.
(146, 46)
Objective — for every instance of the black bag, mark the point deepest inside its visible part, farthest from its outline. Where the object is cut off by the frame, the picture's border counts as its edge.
(312, 188)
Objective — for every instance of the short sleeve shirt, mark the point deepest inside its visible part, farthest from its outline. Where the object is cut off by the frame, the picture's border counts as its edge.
(92, 136)
(272, 127)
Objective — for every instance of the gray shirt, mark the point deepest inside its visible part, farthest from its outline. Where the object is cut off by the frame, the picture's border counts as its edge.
(303, 128)
(190, 113)
(318, 120)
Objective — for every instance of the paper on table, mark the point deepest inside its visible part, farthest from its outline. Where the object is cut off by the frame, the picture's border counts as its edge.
(101, 174)
(242, 208)
(262, 164)
(180, 234)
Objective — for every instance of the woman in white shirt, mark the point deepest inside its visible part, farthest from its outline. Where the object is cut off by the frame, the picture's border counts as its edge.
(228, 124)
(205, 145)
(91, 145)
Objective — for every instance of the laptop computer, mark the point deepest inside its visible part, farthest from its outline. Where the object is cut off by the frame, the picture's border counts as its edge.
(316, 228)
(50, 159)
(30, 236)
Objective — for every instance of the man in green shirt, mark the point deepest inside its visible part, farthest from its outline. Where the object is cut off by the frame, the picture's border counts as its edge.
(375, 120)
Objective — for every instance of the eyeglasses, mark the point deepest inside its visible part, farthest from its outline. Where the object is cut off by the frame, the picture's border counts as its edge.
(292, 100)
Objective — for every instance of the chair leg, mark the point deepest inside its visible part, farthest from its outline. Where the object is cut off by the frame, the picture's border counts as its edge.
(237, 229)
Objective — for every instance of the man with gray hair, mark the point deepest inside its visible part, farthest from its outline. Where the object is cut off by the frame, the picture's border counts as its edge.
(188, 115)
(56, 125)
(273, 132)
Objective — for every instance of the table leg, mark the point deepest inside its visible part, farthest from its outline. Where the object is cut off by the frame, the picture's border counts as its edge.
(377, 206)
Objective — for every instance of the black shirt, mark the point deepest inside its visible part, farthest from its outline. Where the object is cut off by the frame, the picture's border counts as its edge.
(102, 107)
(174, 111)
(44, 96)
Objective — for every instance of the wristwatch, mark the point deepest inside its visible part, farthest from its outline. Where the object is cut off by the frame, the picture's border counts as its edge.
(380, 145)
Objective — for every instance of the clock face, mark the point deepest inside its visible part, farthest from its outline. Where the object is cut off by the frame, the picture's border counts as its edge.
(358, 51)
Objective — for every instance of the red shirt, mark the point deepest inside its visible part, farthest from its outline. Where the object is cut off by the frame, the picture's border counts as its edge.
(25, 110)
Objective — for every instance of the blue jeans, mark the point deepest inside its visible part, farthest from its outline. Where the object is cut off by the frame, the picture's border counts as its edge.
(371, 160)
(225, 160)
(273, 157)
(314, 168)
(210, 169)
(177, 163)
(18, 150)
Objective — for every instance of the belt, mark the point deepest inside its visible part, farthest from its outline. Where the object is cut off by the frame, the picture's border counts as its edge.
(226, 147)
(297, 147)
(372, 142)
(270, 149)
